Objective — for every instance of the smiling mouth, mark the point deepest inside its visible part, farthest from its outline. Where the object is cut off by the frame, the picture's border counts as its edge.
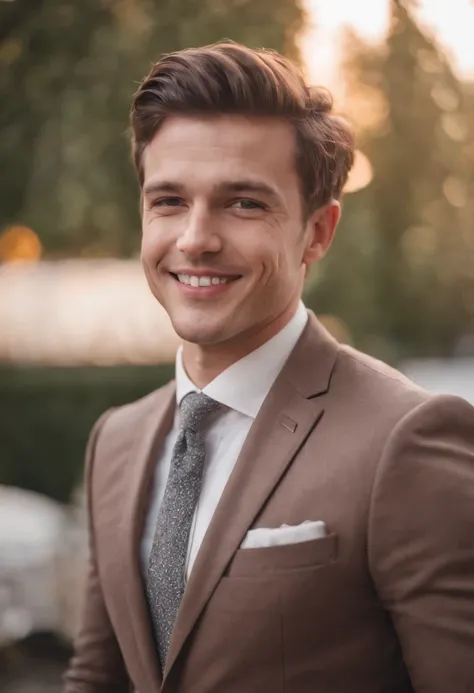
(202, 281)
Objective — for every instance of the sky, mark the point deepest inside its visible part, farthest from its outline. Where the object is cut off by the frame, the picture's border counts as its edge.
(452, 22)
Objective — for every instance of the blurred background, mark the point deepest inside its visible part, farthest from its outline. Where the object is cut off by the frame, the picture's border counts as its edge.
(79, 331)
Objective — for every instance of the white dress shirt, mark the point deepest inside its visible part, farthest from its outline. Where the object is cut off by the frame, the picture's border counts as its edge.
(242, 389)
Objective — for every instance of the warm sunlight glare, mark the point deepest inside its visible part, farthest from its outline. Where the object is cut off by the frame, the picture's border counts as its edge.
(452, 22)
(361, 174)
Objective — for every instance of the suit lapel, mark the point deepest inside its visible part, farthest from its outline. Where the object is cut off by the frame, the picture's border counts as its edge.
(140, 469)
(287, 417)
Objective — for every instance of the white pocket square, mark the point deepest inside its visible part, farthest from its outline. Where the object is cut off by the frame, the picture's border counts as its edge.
(282, 536)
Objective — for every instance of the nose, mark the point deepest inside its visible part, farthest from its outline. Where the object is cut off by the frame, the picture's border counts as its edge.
(199, 235)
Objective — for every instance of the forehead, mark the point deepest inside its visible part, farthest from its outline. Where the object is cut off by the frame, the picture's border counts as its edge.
(204, 149)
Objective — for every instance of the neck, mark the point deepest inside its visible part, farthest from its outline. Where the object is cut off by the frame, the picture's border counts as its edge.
(204, 362)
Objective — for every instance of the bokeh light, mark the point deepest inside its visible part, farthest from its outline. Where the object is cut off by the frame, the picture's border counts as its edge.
(360, 175)
(19, 244)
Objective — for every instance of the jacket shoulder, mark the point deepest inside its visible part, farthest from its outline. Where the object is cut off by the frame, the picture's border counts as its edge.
(377, 383)
(125, 423)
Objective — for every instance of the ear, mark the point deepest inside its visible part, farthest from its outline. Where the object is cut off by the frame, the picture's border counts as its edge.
(320, 229)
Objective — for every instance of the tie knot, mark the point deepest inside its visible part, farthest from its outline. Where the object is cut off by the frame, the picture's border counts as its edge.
(195, 409)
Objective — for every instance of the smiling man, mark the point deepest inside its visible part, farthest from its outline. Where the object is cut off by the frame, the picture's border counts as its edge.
(226, 236)
(288, 514)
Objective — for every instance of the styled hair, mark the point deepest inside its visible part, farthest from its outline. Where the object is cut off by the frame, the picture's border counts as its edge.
(228, 78)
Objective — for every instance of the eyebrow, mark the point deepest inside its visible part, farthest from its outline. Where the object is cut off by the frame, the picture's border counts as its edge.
(162, 186)
(248, 186)
(237, 186)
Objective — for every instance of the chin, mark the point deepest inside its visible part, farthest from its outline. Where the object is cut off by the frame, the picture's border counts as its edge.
(195, 332)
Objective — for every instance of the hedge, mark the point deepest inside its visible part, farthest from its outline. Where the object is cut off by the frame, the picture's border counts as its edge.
(46, 415)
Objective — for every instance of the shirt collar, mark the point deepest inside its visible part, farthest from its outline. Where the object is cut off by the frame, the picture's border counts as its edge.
(245, 385)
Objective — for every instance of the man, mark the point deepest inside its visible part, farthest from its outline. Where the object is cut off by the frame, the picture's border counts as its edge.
(290, 514)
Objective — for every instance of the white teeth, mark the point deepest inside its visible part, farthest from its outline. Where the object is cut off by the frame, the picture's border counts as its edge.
(192, 280)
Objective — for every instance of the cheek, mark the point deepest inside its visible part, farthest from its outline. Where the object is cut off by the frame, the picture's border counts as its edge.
(279, 255)
(263, 248)
(154, 243)
(286, 265)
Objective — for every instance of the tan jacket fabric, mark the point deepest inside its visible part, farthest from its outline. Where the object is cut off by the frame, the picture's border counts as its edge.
(383, 604)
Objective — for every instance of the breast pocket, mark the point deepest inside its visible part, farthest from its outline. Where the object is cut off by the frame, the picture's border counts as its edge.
(273, 561)
(253, 598)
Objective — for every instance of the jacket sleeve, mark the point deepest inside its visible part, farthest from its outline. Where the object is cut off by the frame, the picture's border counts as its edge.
(421, 542)
(97, 665)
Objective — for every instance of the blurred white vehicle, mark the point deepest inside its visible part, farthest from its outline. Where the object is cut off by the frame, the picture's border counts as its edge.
(443, 376)
(42, 558)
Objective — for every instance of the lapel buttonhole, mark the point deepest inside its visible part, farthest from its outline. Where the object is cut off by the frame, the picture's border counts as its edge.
(289, 424)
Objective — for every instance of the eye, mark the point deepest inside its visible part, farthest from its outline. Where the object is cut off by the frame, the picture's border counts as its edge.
(248, 205)
(167, 202)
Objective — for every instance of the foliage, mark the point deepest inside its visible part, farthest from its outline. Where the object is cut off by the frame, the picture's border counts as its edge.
(68, 70)
(401, 273)
(46, 416)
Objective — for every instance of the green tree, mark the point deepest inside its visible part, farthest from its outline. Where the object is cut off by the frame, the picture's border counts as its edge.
(68, 70)
(403, 279)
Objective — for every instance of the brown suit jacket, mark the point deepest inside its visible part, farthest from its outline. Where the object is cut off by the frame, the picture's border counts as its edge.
(383, 604)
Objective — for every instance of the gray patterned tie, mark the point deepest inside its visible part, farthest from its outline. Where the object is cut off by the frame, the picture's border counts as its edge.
(166, 571)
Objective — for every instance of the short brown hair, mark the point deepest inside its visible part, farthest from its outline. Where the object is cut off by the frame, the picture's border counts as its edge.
(228, 78)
